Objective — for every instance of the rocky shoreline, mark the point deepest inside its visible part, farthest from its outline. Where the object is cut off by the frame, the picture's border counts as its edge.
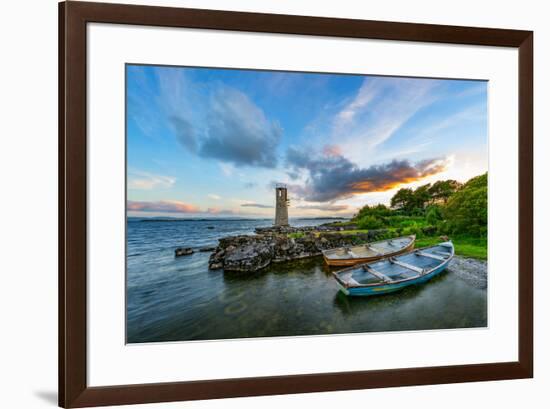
(470, 270)
(250, 253)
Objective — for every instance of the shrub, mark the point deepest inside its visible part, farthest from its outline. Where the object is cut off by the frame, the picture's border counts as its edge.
(433, 215)
(466, 210)
(369, 222)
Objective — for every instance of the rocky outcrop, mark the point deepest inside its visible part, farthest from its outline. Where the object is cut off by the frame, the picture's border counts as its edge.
(254, 252)
(328, 227)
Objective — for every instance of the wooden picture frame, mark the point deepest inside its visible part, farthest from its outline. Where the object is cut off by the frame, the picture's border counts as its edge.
(73, 388)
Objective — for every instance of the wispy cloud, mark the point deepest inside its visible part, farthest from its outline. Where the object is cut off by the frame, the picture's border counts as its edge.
(379, 109)
(471, 114)
(257, 205)
(214, 196)
(325, 207)
(217, 210)
(168, 206)
(140, 180)
(174, 206)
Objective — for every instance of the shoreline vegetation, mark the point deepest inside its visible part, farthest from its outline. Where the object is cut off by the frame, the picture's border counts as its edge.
(446, 209)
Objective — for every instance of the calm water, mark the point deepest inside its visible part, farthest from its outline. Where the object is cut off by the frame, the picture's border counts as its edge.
(177, 299)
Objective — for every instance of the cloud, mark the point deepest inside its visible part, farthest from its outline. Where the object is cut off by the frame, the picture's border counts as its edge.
(332, 150)
(229, 127)
(168, 206)
(208, 119)
(186, 133)
(173, 206)
(139, 180)
(216, 210)
(214, 196)
(335, 177)
(368, 91)
(379, 109)
(325, 208)
(257, 205)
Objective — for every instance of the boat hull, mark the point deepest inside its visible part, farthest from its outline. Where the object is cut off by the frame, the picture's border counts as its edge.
(391, 287)
(353, 261)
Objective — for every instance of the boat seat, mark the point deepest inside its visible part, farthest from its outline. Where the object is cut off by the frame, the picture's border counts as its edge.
(369, 247)
(406, 265)
(429, 255)
(352, 281)
(377, 274)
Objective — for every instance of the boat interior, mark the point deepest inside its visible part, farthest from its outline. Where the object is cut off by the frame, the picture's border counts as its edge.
(397, 268)
(369, 250)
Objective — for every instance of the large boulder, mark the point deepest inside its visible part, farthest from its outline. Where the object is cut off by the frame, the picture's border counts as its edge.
(249, 257)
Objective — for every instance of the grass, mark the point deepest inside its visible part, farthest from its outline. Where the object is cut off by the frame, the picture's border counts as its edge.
(474, 247)
(296, 235)
(353, 231)
(464, 246)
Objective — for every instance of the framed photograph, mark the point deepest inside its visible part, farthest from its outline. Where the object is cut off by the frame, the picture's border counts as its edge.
(255, 204)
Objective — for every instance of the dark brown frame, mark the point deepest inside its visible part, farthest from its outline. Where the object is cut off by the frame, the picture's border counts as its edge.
(73, 388)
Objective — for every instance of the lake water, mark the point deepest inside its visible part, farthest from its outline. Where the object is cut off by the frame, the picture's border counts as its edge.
(180, 299)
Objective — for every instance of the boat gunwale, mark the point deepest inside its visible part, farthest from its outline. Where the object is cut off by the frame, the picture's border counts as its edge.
(348, 286)
(326, 253)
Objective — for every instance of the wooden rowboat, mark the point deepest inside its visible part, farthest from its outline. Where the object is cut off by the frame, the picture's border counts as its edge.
(395, 273)
(349, 256)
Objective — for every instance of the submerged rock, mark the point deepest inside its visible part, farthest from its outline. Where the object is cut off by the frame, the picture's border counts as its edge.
(183, 251)
(207, 249)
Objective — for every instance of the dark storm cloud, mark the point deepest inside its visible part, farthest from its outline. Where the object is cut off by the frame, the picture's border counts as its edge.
(234, 130)
(332, 177)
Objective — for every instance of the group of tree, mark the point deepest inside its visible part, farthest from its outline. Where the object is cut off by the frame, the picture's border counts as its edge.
(411, 201)
(446, 206)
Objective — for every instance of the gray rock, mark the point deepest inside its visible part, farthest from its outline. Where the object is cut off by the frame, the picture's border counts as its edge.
(470, 270)
(215, 266)
(207, 249)
(251, 257)
(183, 251)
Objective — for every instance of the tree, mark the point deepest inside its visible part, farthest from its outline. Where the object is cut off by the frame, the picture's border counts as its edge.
(421, 196)
(403, 199)
(466, 210)
(442, 190)
(433, 214)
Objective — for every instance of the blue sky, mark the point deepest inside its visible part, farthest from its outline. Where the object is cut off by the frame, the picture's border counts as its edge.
(212, 142)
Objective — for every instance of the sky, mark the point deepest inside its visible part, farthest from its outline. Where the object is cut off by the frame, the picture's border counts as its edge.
(205, 142)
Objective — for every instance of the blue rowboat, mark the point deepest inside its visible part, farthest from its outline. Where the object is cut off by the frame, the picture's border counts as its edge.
(395, 273)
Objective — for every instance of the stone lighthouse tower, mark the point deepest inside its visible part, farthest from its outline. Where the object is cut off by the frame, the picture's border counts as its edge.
(281, 205)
